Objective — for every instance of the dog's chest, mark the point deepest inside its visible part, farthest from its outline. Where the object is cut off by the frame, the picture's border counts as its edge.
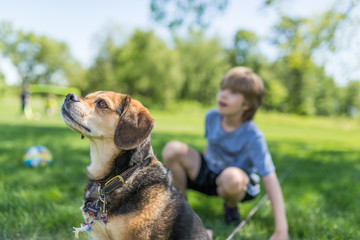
(132, 210)
(100, 226)
(113, 228)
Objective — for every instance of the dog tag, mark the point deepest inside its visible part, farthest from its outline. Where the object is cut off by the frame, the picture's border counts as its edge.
(93, 208)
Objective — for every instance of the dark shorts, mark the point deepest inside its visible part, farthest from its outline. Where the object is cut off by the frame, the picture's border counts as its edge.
(205, 181)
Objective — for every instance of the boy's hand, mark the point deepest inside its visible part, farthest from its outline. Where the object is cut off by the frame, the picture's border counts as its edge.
(274, 190)
(280, 235)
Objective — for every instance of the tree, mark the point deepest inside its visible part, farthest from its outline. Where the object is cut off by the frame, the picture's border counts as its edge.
(196, 14)
(298, 39)
(2, 84)
(245, 52)
(302, 84)
(143, 67)
(148, 68)
(351, 101)
(101, 75)
(38, 59)
(245, 47)
(203, 63)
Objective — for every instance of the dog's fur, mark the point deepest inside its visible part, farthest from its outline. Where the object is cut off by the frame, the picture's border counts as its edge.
(147, 206)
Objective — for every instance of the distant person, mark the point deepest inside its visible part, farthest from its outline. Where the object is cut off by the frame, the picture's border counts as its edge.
(25, 98)
(25, 102)
(51, 105)
(236, 152)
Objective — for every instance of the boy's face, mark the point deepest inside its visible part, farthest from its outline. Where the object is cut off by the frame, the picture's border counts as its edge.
(231, 103)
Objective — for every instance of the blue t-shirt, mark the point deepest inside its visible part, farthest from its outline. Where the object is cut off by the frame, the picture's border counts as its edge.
(245, 148)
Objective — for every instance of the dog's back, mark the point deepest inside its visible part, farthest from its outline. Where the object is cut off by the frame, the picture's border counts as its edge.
(179, 220)
(186, 224)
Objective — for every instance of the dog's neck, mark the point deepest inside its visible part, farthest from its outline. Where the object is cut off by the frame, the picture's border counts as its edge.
(107, 160)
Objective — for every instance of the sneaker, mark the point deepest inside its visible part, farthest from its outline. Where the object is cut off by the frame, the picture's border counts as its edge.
(232, 215)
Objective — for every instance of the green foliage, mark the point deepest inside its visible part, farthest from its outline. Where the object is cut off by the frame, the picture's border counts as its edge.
(101, 74)
(203, 64)
(143, 67)
(245, 52)
(191, 67)
(245, 44)
(51, 89)
(2, 85)
(351, 99)
(193, 14)
(38, 59)
(310, 91)
(294, 82)
(146, 68)
(276, 95)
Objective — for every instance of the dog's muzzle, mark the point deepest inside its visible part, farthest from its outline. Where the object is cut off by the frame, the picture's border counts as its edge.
(72, 98)
(66, 113)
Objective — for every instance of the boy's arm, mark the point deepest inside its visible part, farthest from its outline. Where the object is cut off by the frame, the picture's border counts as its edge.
(273, 189)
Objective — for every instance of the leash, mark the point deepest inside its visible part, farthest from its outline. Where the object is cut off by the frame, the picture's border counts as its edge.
(266, 196)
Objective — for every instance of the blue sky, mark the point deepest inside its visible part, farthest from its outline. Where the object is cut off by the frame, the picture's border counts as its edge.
(78, 23)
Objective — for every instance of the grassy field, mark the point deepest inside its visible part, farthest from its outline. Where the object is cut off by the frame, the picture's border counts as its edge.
(322, 192)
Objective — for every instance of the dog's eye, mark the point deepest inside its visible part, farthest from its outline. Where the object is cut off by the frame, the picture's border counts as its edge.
(101, 104)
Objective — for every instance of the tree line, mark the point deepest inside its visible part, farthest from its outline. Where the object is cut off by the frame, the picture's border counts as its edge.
(191, 69)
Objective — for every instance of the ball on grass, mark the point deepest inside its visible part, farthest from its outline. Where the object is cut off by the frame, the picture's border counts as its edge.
(37, 156)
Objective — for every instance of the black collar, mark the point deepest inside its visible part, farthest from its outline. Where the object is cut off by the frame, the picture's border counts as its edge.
(107, 186)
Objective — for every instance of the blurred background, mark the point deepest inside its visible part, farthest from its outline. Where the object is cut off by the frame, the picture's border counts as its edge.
(165, 52)
(172, 55)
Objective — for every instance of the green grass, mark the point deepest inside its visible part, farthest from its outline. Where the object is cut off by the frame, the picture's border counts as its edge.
(322, 193)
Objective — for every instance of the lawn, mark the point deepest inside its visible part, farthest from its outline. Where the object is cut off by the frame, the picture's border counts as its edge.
(321, 193)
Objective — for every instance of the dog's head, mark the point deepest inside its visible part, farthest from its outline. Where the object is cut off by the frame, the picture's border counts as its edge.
(108, 115)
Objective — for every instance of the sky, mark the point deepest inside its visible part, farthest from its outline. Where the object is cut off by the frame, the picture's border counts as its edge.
(78, 23)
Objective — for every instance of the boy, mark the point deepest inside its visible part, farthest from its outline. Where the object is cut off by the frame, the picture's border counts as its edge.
(236, 150)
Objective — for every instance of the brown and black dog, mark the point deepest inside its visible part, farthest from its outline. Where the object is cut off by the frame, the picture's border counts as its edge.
(130, 194)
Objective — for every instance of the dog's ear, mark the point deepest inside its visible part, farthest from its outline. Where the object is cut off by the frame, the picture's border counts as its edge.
(134, 126)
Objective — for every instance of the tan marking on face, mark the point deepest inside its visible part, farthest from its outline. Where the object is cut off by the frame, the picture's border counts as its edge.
(121, 125)
(85, 113)
(102, 121)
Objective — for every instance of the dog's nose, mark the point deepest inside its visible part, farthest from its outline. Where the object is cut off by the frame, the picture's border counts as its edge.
(72, 97)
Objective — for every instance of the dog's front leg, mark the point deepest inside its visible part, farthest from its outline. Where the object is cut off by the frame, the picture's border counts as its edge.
(98, 231)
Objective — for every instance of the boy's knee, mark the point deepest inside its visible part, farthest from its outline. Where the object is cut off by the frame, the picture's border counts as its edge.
(232, 181)
(172, 151)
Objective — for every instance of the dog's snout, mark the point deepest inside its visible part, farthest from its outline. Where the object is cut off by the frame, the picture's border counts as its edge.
(72, 97)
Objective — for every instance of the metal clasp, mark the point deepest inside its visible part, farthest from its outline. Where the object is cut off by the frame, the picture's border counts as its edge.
(102, 199)
(114, 178)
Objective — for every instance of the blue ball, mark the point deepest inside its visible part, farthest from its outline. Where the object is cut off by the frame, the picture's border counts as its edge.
(37, 156)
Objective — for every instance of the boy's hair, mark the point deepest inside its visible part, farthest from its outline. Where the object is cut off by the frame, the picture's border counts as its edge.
(246, 82)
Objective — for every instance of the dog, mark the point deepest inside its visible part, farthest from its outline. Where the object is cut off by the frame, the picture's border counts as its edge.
(129, 194)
